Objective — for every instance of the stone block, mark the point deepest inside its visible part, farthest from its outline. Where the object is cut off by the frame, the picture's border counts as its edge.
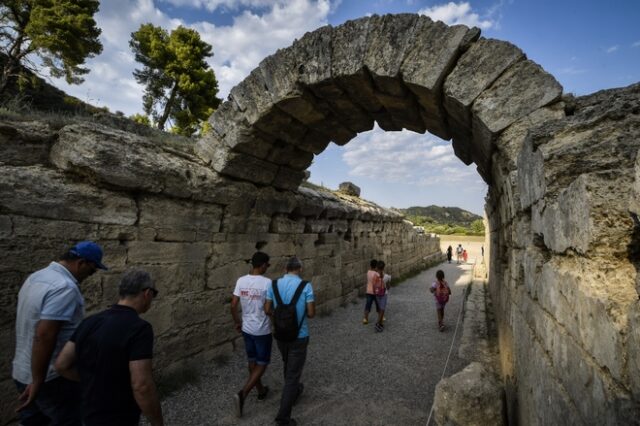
(38, 192)
(25, 143)
(284, 225)
(475, 71)
(431, 56)
(288, 179)
(62, 229)
(472, 396)
(313, 51)
(520, 90)
(149, 252)
(6, 226)
(246, 167)
(197, 219)
(590, 216)
(349, 188)
(235, 250)
(250, 97)
(339, 103)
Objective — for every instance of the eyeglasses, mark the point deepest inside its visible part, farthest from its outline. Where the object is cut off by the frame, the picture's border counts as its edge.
(153, 290)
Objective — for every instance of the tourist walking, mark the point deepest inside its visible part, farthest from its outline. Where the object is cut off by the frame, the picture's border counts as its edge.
(50, 307)
(283, 296)
(449, 253)
(459, 251)
(380, 290)
(465, 256)
(372, 275)
(251, 293)
(110, 354)
(441, 291)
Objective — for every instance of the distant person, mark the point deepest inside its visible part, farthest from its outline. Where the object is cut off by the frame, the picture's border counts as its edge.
(251, 293)
(465, 256)
(372, 275)
(459, 251)
(449, 253)
(441, 291)
(110, 354)
(285, 292)
(380, 291)
(482, 250)
(50, 307)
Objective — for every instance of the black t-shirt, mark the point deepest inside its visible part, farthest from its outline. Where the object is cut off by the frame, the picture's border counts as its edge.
(105, 343)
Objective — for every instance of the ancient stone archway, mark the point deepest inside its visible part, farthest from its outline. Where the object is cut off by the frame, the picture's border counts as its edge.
(402, 71)
(564, 185)
(509, 117)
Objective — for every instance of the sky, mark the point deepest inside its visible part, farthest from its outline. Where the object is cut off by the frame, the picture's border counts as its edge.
(587, 45)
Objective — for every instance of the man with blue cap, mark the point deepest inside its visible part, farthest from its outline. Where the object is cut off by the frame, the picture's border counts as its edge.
(50, 307)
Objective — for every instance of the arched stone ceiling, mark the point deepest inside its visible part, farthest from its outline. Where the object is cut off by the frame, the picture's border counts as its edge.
(402, 71)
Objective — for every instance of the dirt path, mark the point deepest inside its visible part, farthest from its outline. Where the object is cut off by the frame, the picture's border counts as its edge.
(353, 375)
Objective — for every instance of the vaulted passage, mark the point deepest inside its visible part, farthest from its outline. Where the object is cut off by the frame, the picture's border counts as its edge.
(560, 170)
(562, 206)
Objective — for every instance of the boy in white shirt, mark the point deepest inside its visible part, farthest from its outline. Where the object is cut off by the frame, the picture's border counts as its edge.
(250, 292)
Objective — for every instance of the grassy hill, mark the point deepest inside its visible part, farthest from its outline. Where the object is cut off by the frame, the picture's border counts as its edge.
(445, 220)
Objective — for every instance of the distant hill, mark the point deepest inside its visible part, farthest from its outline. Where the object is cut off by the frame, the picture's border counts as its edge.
(453, 216)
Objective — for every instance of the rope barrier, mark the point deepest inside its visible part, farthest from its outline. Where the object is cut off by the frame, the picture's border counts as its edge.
(450, 348)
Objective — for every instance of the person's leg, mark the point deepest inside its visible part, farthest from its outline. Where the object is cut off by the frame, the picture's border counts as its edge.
(367, 307)
(440, 315)
(262, 346)
(58, 399)
(296, 355)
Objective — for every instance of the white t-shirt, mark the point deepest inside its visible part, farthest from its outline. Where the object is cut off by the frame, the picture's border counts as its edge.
(252, 291)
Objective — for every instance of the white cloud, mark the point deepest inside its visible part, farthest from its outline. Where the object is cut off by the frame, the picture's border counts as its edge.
(636, 44)
(217, 4)
(406, 157)
(238, 48)
(456, 13)
(612, 49)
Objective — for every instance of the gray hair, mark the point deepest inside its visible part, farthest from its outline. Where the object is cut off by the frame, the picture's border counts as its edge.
(294, 264)
(134, 281)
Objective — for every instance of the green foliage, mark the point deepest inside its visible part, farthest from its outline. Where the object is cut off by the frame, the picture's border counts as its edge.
(179, 85)
(62, 33)
(141, 119)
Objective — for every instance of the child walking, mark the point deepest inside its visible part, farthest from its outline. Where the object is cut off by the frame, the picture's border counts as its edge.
(441, 291)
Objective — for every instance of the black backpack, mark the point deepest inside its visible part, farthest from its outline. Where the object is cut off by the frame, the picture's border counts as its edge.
(285, 316)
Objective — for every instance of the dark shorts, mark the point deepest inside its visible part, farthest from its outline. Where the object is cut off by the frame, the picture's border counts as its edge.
(258, 348)
(371, 298)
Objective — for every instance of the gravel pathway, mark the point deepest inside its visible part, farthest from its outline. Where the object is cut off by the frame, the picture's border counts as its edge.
(353, 375)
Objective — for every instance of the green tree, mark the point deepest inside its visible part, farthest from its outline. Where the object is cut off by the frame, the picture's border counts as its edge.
(62, 33)
(179, 85)
(141, 119)
(477, 227)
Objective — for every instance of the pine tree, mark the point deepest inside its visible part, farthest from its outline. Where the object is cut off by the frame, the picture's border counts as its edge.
(62, 33)
(179, 85)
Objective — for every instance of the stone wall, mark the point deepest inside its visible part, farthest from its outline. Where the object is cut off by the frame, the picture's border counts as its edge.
(564, 262)
(157, 206)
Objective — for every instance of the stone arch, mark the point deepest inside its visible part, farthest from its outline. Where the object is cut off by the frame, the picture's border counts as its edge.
(401, 71)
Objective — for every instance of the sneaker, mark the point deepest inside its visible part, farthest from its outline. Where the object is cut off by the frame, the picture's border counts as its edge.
(238, 401)
(365, 321)
(263, 395)
(379, 327)
(300, 390)
(291, 422)
(441, 327)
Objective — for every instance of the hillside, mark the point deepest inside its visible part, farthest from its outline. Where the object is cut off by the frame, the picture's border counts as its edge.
(442, 215)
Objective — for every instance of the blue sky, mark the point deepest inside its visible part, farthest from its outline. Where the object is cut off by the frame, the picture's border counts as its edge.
(586, 45)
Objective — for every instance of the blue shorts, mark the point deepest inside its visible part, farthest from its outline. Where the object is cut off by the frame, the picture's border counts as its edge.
(258, 348)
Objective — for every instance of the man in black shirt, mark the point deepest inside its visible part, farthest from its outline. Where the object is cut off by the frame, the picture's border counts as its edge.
(110, 354)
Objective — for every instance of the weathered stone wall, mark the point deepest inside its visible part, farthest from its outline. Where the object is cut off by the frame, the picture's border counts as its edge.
(564, 261)
(158, 207)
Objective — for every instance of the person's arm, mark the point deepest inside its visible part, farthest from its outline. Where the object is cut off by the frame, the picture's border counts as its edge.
(65, 363)
(432, 289)
(311, 309)
(268, 307)
(234, 313)
(44, 342)
(144, 391)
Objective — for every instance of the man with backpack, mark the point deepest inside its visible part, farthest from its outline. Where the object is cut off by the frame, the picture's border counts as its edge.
(290, 300)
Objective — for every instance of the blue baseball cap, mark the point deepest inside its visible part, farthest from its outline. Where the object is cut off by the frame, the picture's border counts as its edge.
(88, 250)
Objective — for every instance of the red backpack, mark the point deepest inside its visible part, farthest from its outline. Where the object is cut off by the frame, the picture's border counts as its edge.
(442, 292)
